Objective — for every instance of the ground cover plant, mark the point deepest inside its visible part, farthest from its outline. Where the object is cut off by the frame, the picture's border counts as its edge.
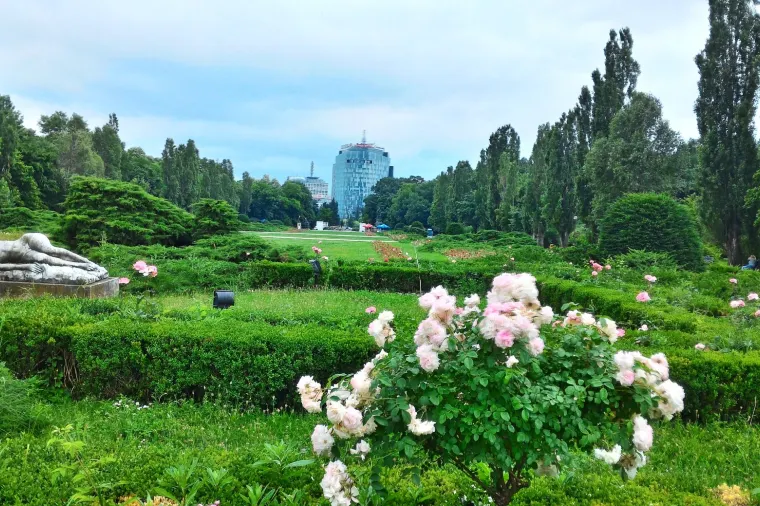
(687, 462)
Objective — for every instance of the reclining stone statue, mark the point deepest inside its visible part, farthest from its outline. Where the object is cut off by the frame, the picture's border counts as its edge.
(31, 258)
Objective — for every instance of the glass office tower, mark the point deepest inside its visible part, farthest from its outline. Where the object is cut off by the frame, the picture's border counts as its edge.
(356, 170)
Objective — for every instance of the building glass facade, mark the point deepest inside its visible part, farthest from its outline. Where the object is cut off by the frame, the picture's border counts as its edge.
(316, 185)
(356, 170)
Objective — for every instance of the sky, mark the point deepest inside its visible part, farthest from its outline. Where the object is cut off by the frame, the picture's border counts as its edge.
(275, 85)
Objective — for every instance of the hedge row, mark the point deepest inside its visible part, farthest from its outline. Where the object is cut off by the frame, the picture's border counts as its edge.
(247, 363)
(94, 351)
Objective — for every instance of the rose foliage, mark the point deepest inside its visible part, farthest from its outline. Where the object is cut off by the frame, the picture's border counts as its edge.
(503, 394)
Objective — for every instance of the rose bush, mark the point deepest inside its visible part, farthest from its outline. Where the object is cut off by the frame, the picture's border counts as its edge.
(502, 394)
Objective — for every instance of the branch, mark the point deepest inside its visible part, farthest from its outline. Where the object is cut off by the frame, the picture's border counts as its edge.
(462, 466)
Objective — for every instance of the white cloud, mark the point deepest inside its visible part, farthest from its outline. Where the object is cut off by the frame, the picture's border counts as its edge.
(457, 70)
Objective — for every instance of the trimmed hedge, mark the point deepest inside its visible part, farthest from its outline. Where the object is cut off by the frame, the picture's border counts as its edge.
(255, 358)
(217, 359)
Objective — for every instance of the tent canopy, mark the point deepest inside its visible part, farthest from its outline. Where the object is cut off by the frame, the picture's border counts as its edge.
(383, 226)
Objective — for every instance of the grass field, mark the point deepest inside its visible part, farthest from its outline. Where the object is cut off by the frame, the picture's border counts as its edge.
(347, 245)
(686, 463)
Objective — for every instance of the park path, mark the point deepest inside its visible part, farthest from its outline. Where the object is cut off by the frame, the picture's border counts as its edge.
(324, 238)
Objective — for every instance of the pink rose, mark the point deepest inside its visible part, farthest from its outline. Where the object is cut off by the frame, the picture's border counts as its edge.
(643, 297)
(608, 267)
(737, 303)
(594, 273)
(733, 280)
(752, 296)
(352, 419)
(123, 281)
(699, 347)
(371, 310)
(151, 271)
(536, 346)
(644, 328)
(620, 332)
(626, 377)
(140, 266)
(757, 313)
(504, 339)
(650, 278)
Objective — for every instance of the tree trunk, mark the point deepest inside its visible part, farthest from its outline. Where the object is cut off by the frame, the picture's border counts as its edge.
(733, 246)
(504, 492)
(564, 238)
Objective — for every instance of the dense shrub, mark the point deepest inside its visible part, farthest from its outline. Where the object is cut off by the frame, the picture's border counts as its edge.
(645, 260)
(28, 220)
(214, 217)
(244, 218)
(652, 222)
(416, 227)
(250, 363)
(455, 229)
(121, 213)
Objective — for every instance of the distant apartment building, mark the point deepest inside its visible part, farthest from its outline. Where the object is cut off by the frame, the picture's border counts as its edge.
(317, 186)
(356, 170)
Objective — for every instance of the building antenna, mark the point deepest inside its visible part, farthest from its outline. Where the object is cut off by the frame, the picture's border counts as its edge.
(364, 137)
(312, 169)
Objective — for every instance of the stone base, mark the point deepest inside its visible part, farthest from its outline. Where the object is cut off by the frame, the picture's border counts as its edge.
(108, 287)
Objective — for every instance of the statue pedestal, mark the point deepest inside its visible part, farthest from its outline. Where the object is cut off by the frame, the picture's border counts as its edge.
(108, 287)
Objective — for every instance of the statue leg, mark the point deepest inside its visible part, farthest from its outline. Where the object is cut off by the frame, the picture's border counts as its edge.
(39, 242)
(43, 258)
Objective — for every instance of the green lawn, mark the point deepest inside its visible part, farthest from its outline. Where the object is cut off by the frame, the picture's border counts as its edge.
(347, 245)
(686, 462)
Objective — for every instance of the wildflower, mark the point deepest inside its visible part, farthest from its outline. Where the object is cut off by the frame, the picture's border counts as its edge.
(643, 297)
(512, 360)
(650, 278)
(371, 310)
(321, 440)
(642, 434)
(699, 347)
(733, 281)
(737, 303)
(752, 296)
(123, 281)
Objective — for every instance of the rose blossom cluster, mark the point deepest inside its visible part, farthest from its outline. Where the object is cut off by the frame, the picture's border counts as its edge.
(311, 394)
(652, 373)
(381, 329)
(514, 314)
(605, 326)
(337, 485)
(145, 269)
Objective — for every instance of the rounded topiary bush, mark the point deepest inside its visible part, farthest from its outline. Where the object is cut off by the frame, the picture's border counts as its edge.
(652, 222)
(214, 217)
(455, 229)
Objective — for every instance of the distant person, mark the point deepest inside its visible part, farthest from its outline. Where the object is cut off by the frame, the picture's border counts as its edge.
(751, 264)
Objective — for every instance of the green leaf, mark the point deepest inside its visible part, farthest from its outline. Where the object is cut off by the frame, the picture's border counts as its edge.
(299, 463)
(468, 363)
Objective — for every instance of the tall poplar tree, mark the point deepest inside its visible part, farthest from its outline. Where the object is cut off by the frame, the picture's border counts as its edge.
(726, 106)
